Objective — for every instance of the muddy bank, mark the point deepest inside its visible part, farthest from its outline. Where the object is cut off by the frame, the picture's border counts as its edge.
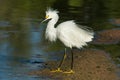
(108, 37)
(88, 65)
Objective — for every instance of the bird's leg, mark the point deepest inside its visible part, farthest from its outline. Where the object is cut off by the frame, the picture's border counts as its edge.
(72, 60)
(64, 57)
(58, 69)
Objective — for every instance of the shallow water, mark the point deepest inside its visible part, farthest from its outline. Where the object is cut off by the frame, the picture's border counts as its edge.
(22, 44)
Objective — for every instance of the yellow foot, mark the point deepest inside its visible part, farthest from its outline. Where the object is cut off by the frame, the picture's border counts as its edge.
(58, 70)
(69, 72)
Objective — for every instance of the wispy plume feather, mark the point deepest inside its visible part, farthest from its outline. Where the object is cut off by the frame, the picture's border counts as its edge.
(49, 10)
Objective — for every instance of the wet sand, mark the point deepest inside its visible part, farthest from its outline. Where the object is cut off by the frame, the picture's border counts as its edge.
(111, 36)
(88, 65)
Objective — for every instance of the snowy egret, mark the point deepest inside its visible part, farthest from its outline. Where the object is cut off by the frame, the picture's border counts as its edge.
(68, 32)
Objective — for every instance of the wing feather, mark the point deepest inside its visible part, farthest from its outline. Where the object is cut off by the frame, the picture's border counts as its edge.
(73, 35)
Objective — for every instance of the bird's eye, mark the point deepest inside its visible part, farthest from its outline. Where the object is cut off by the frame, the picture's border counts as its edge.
(46, 16)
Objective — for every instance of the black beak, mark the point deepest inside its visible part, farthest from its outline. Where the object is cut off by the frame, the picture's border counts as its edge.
(46, 20)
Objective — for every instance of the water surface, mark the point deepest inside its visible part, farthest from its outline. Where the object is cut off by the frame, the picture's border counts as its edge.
(22, 44)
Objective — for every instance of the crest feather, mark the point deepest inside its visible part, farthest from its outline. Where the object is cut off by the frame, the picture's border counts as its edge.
(51, 10)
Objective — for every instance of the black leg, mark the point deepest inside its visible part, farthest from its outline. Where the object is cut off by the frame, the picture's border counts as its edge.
(72, 60)
(59, 66)
(62, 59)
(71, 71)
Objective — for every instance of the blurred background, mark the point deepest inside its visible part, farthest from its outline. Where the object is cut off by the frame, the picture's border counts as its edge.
(22, 43)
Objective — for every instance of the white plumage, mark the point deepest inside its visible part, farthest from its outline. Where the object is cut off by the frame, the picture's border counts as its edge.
(69, 33)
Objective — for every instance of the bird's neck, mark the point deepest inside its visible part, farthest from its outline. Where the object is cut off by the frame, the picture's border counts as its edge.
(51, 32)
(51, 23)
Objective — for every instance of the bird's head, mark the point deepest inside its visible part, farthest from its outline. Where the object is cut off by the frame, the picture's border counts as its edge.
(51, 14)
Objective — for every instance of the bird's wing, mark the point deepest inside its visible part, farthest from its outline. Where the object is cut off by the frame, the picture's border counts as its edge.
(72, 35)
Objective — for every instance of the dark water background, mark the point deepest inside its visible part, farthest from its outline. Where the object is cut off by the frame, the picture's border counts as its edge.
(22, 44)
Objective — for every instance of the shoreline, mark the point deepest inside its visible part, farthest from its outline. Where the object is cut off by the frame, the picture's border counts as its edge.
(89, 64)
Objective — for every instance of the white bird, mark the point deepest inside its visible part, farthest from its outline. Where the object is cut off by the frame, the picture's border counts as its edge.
(68, 32)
